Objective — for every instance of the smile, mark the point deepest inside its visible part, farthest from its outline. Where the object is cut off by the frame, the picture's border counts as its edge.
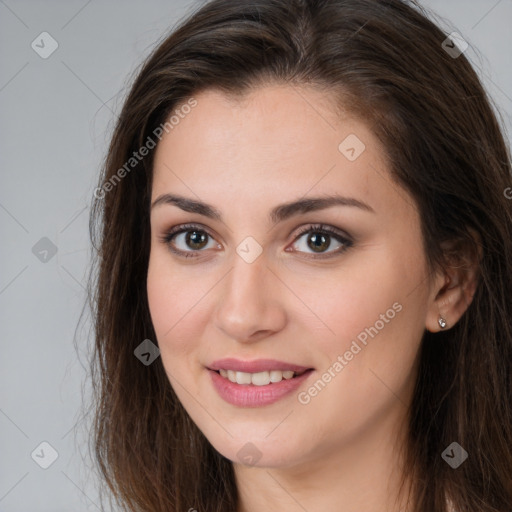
(260, 390)
(260, 378)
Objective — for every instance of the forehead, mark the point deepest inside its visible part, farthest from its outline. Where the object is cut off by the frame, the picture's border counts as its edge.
(262, 120)
(275, 143)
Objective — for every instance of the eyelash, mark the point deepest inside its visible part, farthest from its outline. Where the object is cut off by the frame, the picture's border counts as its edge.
(314, 228)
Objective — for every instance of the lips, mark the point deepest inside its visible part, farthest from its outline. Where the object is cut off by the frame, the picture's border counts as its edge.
(250, 395)
(259, 365)
(245, 394)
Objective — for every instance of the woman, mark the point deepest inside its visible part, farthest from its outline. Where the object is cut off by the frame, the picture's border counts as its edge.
(302, 299)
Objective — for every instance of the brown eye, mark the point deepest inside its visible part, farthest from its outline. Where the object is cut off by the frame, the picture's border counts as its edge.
(318, 242)
(196, 239)
(187, 240)
(319, 239)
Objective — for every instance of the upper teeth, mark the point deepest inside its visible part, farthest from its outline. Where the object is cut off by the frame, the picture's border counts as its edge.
(258, 379)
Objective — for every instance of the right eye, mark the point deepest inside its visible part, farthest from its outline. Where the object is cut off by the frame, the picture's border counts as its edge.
(192, 237)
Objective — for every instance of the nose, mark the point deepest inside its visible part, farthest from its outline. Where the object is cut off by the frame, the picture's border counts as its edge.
(249, 305)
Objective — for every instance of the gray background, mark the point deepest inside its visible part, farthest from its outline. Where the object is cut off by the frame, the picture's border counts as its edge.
(56, 117)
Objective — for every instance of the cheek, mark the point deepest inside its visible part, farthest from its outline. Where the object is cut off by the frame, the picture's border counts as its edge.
(371, 313)
(352, 298)
(369, 361)
(173, 302)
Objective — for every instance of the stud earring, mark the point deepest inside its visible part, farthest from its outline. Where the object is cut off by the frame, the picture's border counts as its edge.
(442, 322)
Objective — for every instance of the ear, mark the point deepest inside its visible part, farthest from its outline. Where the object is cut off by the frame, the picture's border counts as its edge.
(455, 284)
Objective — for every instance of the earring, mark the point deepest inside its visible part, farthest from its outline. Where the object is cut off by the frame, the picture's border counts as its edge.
(442, 322)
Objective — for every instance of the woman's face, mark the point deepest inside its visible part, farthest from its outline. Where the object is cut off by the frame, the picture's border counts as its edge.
(262, 281)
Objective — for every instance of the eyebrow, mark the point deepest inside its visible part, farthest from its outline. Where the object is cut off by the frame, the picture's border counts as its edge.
(278, 214)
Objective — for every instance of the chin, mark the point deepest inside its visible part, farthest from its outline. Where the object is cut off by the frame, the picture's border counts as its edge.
(259, 451)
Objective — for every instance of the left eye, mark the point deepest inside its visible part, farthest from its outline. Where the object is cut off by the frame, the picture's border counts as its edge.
(319, 239)
(194, 239)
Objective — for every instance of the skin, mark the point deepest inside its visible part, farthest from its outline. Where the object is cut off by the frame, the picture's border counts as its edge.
(340, 451)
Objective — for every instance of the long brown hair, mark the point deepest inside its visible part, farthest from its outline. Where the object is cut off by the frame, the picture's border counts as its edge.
(386, 63)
